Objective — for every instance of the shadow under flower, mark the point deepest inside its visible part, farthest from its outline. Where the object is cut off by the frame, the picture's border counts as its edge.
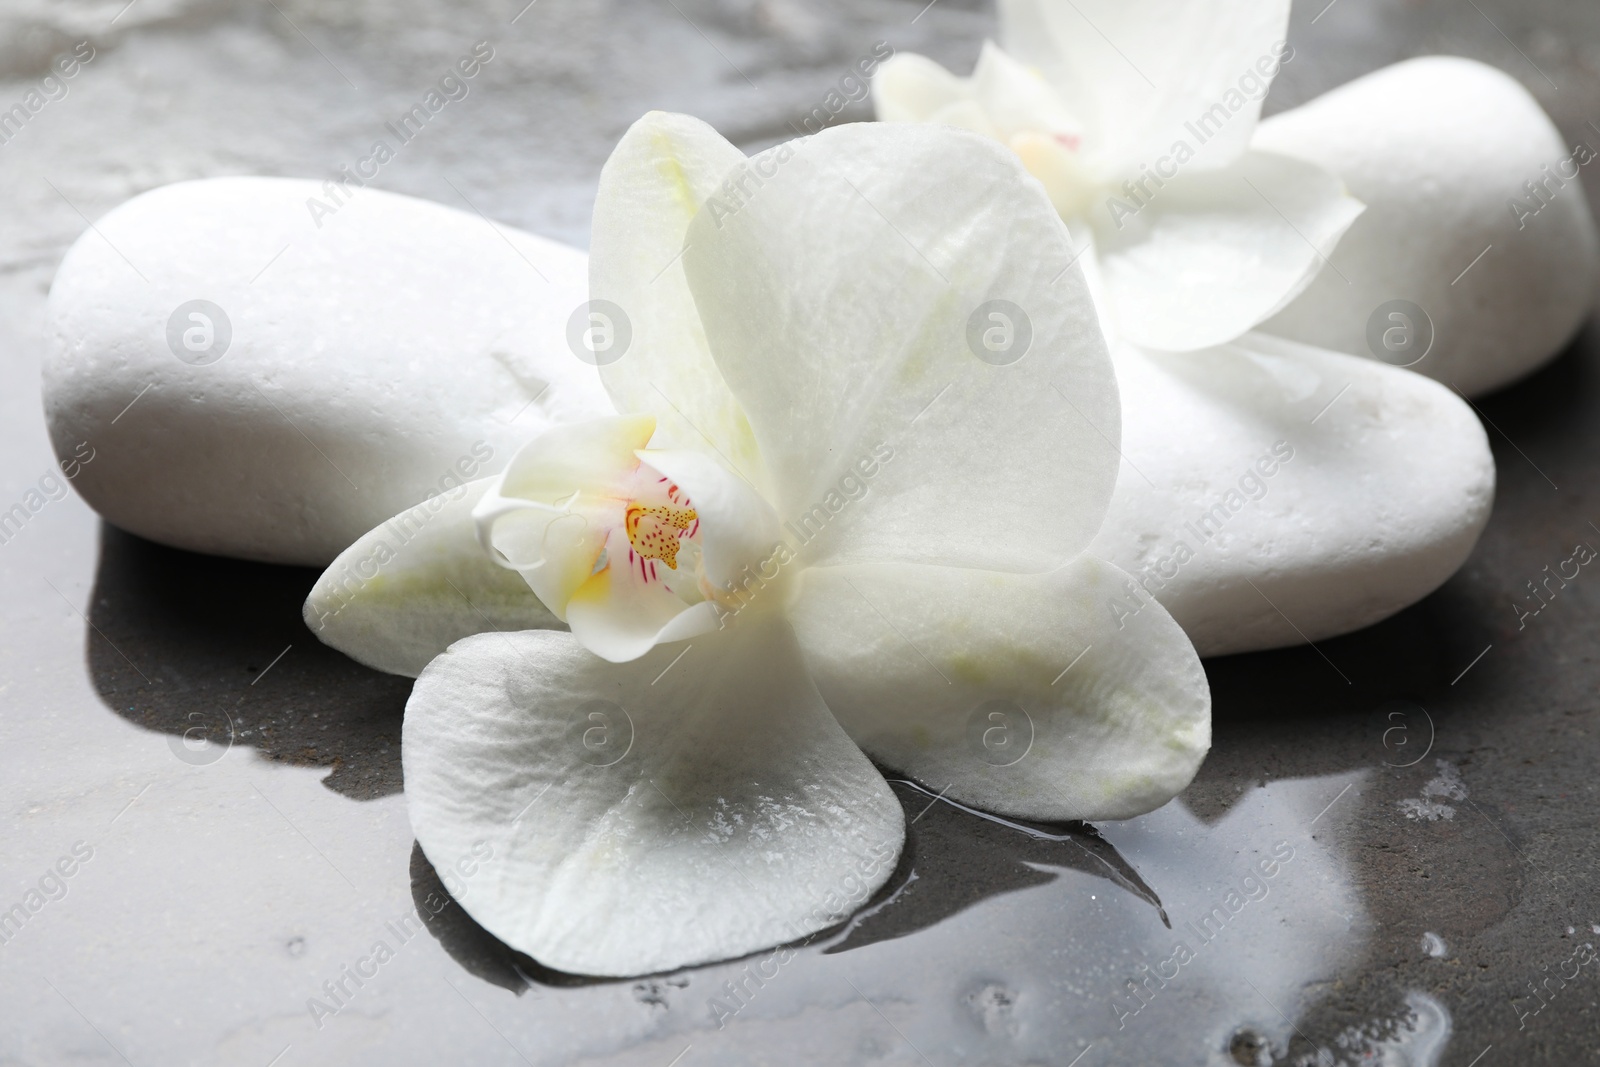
(957, 856)
(213, 652)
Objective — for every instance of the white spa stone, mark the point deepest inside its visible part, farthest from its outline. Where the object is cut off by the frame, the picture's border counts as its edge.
(1440, 149)
(1387, 485)
(395, 350)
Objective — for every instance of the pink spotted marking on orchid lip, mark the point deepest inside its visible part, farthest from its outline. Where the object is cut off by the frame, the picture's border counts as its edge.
(655, 530)
(1069, 141)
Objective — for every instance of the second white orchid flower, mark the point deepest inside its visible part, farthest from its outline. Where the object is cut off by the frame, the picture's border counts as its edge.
(1137, 117)
(867, 425)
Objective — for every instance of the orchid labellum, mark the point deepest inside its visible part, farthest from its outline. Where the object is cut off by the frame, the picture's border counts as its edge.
(866, 425)
(1137, 117)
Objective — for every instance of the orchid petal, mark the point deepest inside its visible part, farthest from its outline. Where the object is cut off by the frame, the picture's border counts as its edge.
(849, 303)
(633, 819)
(1211, 254)
(620, 617)
(1016, 98)
(913, 88)
(1059, 696)
(1313, 493)
(401, 594)
(546, 517)
(968, 115)
(1137, 71)
(665, 167)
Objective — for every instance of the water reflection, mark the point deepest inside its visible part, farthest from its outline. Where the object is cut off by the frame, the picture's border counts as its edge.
(954, 859)
(1034, 944)
(477, 950)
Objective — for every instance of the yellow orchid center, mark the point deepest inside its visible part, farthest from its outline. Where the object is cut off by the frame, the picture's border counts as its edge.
(653, 530)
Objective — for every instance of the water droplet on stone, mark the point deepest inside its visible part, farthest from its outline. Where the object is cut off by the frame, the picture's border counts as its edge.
(1250, 1048)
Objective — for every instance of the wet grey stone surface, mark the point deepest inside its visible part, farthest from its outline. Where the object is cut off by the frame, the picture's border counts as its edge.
(236, 787)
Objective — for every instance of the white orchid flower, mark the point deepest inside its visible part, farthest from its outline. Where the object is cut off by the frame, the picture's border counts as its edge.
(819, 524)
(1137, 116)
(1202, 236)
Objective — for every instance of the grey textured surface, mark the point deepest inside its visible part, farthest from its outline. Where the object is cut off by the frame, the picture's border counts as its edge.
(1422, 904)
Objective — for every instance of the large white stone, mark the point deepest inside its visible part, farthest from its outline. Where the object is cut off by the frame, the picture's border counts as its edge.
(1387, 485)
(398, 348)
(1440, 149)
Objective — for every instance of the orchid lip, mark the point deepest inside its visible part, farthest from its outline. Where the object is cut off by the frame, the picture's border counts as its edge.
(655, 531)
(490, 512)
